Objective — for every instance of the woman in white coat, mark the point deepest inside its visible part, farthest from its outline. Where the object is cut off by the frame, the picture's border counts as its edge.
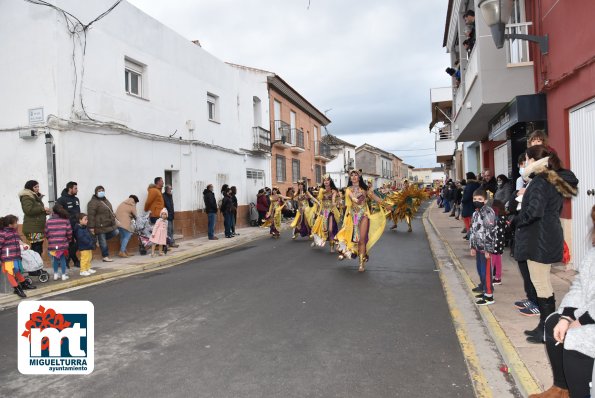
(570, 334)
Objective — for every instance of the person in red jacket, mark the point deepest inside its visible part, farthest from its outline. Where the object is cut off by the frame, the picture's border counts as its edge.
(262, 205)
(10, 255)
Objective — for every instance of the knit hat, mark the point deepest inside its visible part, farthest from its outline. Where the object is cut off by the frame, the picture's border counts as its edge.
(164, 210)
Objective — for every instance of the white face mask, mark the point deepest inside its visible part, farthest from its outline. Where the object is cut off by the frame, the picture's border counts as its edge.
(521, 170)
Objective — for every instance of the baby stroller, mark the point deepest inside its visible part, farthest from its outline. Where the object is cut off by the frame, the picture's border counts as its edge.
(33, 266)
(143, 229)
(253, 213)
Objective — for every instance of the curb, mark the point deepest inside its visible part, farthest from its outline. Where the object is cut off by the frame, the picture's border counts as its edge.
(476, 374)
(526, 383)
(171, 261)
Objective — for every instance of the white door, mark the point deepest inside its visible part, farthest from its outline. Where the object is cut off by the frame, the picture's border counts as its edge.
(276, 117)
(582, 163)
(254, 182)
(501, 160)
(292, 126)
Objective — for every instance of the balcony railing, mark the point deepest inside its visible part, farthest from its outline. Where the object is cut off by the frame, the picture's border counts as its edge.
(297, 137)
(444, 134)
(517, 50)
(261, 139)
(282, 129)
(321, 150)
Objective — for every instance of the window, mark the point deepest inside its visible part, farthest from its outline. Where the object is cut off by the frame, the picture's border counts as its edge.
(295, 169)
(518, 50)
(133, 77)
(281, 174)
(252, 174)
(318, 171)
(213, 107)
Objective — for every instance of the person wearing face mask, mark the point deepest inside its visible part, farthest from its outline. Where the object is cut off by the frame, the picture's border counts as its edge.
(482, 241)
(102, 220)
(504, 189)
(539, 235)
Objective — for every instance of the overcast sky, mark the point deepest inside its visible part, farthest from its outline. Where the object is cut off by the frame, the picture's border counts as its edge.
(372, 63)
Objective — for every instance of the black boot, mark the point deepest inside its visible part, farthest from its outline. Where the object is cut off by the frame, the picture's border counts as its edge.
(547, 306)
(28, 285)
(19, 291)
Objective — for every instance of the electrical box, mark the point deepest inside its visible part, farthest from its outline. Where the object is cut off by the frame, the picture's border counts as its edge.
(28, 134)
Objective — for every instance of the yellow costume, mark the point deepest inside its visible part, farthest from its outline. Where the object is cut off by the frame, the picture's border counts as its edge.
(405, 204)
(356, 208)
(273, 220)
(304, 217)
(326, 225)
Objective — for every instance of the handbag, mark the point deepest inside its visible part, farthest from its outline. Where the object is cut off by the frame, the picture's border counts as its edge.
(118, 223)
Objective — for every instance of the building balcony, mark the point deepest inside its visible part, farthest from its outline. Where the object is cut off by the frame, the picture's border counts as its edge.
(445, 145)
(282, 137)
(261, 140)
(322, 151)
(297, 138)
(490, 79)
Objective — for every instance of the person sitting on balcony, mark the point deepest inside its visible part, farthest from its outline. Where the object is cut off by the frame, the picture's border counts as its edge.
(455, 74)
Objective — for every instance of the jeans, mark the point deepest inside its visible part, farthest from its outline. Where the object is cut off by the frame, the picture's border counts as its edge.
(227, 223)
(102, 238)
(61, 261)
(234, 217)
(212, 217)
(125, 236)
(170, 231)
(446, 205)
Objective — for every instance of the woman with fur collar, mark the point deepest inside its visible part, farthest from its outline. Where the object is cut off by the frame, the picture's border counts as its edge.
(570, 333)
(539, 236)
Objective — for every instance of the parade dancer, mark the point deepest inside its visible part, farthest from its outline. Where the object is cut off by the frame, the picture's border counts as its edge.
(325, 228)
(303, 221)
(361, 228)
(405, 204)
(273, 216)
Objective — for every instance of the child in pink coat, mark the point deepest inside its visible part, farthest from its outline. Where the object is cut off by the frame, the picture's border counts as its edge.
(159, 234)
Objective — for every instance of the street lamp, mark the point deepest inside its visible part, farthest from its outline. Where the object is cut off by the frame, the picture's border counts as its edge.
(496, 13)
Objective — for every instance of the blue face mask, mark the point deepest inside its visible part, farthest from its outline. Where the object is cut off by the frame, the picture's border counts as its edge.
(521, 170)
(101, 194)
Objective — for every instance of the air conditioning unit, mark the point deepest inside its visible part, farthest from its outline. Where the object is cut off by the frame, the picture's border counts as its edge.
(28, 134)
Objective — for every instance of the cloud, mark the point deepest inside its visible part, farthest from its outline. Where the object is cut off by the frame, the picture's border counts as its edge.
(372, 62)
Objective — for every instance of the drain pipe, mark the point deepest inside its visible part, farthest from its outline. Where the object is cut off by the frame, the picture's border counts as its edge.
(50, 153)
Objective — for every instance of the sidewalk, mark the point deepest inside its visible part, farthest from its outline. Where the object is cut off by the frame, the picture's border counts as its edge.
(507, 316)
(189, 249)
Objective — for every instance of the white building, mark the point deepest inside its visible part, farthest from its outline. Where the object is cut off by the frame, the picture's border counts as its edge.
(179, 112)
(343, 160)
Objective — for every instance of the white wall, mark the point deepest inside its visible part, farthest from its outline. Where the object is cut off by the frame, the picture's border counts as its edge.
(336, 167)
(38, 71)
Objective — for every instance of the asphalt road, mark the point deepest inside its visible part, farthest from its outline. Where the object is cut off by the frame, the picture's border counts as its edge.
(275, 318)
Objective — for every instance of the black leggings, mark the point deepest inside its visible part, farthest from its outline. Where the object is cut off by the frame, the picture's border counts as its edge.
(572, 370)
(528, 285)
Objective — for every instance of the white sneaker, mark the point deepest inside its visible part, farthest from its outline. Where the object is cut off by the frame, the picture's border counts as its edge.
(56, 276)
(91, 271)
(85, 273)
(64, 277)
(107, 260)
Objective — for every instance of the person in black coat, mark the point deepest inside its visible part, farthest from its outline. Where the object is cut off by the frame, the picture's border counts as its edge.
(227, 211)
(211, 210)
(539, 236)
(71, 203)
(168, 199)
(467, 208)
(234, 210)
(489, 182)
